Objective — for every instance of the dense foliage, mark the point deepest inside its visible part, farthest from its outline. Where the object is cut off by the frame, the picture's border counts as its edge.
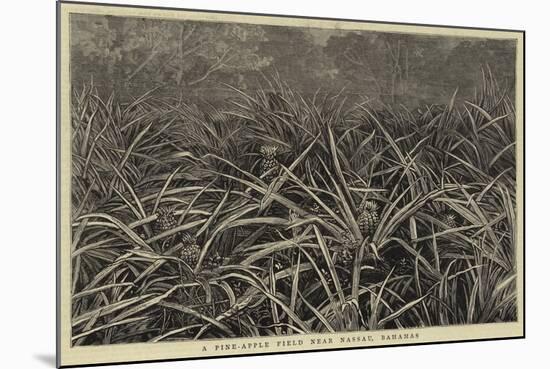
(278, 214)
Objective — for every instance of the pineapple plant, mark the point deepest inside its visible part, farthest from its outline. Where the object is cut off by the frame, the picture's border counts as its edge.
(269, 162)
(343, 261)
(368, 217)
(333, 205)
(315, 209)
(238, 287)
(278, 265)
(403, 266)
(191, 251)
(348, 241)
(344, 257)
(343, 253)
(311, 207)
(400, 265)
(166, 220)
(213, 261)
(449, 220)
(323, 269)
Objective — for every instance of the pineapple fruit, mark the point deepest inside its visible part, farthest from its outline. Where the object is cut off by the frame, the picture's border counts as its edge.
(348, 241)
(213, 261)
(344, 257)
(345, 253)
(166, 220)
(368, 217)
(238, 287)
(191, 251)
(269, 161)
(449, 220)
(315, 209)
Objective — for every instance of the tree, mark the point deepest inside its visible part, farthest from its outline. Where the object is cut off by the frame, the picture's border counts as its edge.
(166, 52)
(298, 60)
(463, 65)
(383, 64)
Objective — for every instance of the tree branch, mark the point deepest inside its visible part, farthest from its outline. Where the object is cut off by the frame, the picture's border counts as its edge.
(219, 64)
(150, 57)
(361, 62)
(354, 60)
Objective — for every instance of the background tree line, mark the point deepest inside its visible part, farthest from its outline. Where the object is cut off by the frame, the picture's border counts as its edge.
(196, 59)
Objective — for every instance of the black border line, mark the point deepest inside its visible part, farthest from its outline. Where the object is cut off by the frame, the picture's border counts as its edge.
(58, 183)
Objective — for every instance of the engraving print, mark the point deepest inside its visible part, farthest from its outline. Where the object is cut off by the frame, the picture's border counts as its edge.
(242, 180)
